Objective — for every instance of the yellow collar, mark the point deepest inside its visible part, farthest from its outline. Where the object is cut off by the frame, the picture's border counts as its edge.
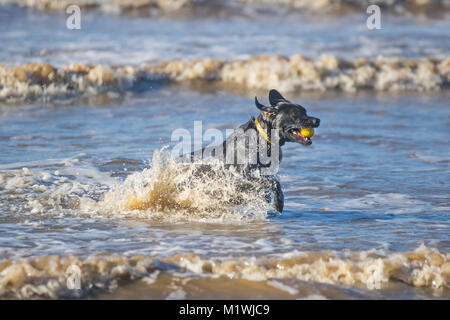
(261, 131)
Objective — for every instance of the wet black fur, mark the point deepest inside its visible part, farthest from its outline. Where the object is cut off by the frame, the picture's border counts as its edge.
(282, 115)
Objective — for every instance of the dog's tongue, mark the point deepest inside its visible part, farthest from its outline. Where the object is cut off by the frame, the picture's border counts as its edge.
(301, 136)
(305, 139)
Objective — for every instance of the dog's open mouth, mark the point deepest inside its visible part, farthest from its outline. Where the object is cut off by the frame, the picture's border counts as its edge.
(298, 137)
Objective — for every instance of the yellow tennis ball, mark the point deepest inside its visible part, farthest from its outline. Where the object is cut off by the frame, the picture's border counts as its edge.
(307, 132)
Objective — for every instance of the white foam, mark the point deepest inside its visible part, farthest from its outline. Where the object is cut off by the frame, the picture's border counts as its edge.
(282, 287)
(396, 202)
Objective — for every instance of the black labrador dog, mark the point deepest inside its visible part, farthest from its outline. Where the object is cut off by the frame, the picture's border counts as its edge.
(255, 146)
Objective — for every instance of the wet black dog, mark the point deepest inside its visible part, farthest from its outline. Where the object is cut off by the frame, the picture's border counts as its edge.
(255, 147)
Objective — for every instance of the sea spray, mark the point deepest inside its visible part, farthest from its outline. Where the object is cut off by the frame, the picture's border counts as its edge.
(170, 189)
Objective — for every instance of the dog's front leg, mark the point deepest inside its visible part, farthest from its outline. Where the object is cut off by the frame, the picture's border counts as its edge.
(278, 196)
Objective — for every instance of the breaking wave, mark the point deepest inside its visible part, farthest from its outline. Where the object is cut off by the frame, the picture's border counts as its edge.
(45, 82)
(423, 267)
(288, 74)
(47, 277)
(329, 5)
(399, 6)
(107, 5)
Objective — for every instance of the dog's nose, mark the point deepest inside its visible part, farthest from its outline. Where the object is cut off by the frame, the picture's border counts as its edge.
(314, 121)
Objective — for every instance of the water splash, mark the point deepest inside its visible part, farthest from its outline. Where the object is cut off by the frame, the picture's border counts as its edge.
(183, 191)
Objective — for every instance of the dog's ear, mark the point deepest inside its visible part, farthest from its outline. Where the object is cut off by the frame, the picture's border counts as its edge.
(263, 107)
(266, 111)
(275, 97)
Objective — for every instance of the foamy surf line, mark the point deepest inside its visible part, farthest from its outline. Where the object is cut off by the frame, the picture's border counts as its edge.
(399, 6)
(288, 74)
(51, 276)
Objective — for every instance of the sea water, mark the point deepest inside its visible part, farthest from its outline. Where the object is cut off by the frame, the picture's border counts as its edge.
(88, 183)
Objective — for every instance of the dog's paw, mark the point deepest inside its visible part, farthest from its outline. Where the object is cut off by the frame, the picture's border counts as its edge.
(279, 206)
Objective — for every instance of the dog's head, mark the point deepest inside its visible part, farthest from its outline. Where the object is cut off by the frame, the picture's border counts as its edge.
(289, 118)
